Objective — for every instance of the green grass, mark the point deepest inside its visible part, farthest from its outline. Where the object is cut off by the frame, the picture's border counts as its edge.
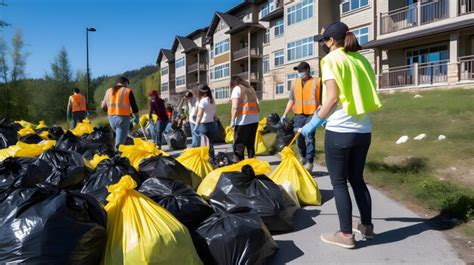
(413, 172)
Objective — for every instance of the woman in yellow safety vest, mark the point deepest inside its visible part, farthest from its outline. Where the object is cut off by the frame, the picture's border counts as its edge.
(118, 101)
(349, 89)
(76, 108)
(244, 117)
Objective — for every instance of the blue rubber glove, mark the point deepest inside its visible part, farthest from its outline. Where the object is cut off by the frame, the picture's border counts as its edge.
(311, 126)
(283, 118)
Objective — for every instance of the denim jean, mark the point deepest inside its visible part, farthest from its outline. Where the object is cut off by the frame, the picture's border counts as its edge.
(120, 125)
(306, 145)
(345, 158)
(196, 139)
(210, 130)
(160, 127)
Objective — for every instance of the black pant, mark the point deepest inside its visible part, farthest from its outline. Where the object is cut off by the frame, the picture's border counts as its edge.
(244, 137)
(78, 117)
(345, 158)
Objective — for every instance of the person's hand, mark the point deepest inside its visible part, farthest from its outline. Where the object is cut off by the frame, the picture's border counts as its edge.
(195, 131)
(135, 119)
(311, 126)
(283, 118)
(232, 124)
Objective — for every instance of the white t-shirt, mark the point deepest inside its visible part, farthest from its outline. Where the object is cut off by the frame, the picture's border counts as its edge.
(192, 110)
(244, 119)
(209, 110)
(339, 121)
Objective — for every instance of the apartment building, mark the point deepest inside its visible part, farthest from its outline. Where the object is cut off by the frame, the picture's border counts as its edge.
(410, 43)
(167, 71)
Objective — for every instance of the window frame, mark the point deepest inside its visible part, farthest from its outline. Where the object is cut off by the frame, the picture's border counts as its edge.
(307, 44)
(180, 78)
(358, 35)
(275, 58)
(296, 13)
(282, 86)
(180, 61)
(223, 47)
(221, 68)
(164, 69)
(224, 91)
(279, 26)
(266, 64)
(350, 6)
(165, 87)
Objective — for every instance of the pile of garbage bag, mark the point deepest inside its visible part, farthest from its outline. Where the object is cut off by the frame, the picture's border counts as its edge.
(284, 135)
(8, 133)
(196, 160)
(68, 168)
(21, 149)
(176, 138)
(220, 134)
(140, 150)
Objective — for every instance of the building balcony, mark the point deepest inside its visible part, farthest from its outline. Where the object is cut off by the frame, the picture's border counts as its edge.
(466, 68)
(254, 76)
(466, 7)
(414, 15)
(244, 53)
(172, 77)
(197, 66)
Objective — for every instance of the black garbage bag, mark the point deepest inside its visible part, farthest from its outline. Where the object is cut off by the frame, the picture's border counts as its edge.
(260, 194)
(284, 136)
(180, 200)
(100, 150)
(273, 122)
(101, 135)
(234, 237)
(168, 167)
(187, 129)
(108, 172)
(45, 225)
(55, 133)
(176, 137)
(220, 134)
(68, 169)
(223, 159)
(70, 142)
(31, 139)
(21, 172)
(8, 133)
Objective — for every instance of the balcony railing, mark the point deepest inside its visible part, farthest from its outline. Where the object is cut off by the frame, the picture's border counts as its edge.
(245, 75)
(244, 52)
(194, 67)
(466, 6)
(466, 68)
(414, 15)
(415, 75)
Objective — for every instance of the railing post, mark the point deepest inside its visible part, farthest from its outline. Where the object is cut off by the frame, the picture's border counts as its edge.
(453, 8)
(418, 13)
(416, 75)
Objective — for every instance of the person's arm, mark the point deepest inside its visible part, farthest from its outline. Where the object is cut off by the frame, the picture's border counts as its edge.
(133, 105)
(291, 102)
(104, 102)
(331, 101)
(69, 109)
(199, 116)
(233, 112)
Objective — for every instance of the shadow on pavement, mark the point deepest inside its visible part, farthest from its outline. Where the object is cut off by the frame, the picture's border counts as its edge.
(304, 219)
(326, 195)
(287, 252)
(420, 225)
(318, 174)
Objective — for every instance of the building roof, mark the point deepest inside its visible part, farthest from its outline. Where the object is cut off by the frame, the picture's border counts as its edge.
(229, 20)
(187, 44)
(196, 32)
(245, 26)
(167, 53)
(419, 33)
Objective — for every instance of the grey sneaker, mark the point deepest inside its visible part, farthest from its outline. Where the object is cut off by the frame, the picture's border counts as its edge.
(338, 239)
(309, 166)
(303, 160)
(366, 231)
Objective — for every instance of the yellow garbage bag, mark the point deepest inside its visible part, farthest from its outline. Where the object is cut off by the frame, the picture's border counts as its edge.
(26, 150)
(140, 150)
(92, 164)
(290, 169)
(84, 127)
(260, 146)
(229, 135)
(41, 125)
(26, 131)
(44, 135)
(263, 122)
(196, 160)
(25, 124)
(209, 183)
(139, 231)
(144, 119)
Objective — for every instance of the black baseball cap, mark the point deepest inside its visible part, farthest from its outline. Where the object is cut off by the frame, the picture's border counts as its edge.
(336, 30)
(302, 66)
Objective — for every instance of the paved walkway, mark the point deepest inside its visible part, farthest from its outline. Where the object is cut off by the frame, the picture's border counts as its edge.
(402, 236)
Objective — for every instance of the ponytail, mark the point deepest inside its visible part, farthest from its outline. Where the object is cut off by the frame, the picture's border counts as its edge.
(350, 42)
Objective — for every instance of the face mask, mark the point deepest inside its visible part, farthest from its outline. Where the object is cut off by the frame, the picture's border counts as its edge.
(325, 48)
(301, 75)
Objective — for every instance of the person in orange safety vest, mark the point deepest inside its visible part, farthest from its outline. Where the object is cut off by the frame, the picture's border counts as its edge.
(76, 108)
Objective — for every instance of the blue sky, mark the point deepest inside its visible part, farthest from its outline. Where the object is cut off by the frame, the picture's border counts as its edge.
(129, 33)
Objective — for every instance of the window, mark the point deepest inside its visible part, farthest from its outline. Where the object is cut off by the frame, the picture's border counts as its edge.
(221, 26)
(266, 64)
(300, 49)
(221, 47)
(265, 9)
(165, 87)
(180, 80)
(180, 62)
(300, 12)
(266, 38)
(362, 35)
(279, 57)
(220, 71)
(279, 27)
(222, 93)
(279, 88)
(349, 5)
(164, 71)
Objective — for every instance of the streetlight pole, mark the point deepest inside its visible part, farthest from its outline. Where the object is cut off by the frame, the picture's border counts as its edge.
(87, 55)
